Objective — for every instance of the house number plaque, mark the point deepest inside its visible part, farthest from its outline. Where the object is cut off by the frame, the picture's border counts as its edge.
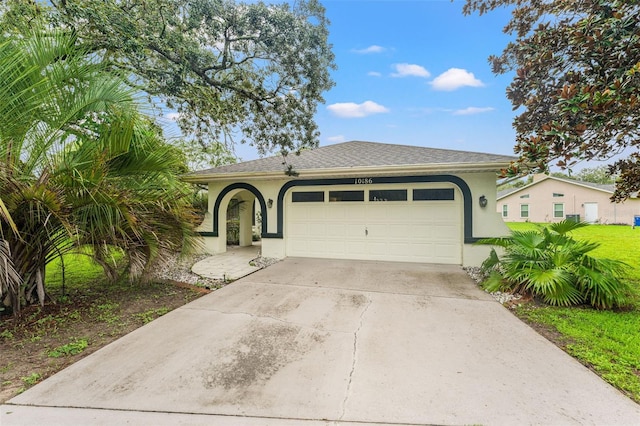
(363, 181)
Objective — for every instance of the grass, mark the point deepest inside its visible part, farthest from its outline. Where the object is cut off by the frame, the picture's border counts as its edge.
(616, 242)
(89, 314)
(606, 341)
(77, 270)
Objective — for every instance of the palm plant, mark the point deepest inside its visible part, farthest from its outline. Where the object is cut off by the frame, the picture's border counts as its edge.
(549, 264)
(79, 165)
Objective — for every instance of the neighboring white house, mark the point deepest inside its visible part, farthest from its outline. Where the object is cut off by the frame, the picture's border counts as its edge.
(362, 200)
(552, 199)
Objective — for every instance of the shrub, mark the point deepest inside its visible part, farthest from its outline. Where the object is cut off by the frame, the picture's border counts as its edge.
(233, 232)
(549, 264)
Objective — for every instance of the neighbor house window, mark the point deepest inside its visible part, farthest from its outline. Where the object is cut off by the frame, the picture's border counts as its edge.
(558, 210)
(388, 195)
(524, 196)
(557, 194)
(308, 197)
(505, 210)
(524, 210)
(346, 195)
(445, 194)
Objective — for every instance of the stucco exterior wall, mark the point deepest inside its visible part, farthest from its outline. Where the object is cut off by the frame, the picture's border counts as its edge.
(485, 221)
(269, 191)
(540, 199)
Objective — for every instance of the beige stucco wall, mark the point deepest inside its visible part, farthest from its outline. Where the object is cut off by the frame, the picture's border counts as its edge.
(269, 190)
(541, 203)
(485, 221)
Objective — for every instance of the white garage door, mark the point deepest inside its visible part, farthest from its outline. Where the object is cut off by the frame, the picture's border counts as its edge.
(381, 222)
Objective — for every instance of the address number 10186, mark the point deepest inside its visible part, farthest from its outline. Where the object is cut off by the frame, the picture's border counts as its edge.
(363, 181)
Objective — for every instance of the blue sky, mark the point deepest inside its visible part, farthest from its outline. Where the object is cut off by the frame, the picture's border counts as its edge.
(414, 73)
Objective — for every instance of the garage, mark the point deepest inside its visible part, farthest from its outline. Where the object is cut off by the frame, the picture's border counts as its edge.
(404, 223)
(359, 200)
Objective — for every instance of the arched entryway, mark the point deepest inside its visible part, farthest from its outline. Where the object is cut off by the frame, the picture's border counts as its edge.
(251, 217)
(238, 213)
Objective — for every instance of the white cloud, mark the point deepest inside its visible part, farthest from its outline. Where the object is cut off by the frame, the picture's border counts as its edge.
(371, 49)
(336, 139)
(172, 116)
(410, 70)
(374, 74)
(455, 78)
(472, 110)
(353, 110)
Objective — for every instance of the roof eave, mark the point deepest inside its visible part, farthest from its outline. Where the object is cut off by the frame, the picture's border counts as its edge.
(571, 182)
(352, 172)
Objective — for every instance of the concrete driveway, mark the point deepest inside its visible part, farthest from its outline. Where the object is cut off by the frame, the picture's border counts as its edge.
(323, 342)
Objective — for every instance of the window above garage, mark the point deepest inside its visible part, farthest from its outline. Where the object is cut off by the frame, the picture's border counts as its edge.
(443, 194)
(388, 195)
(308, 197)
(346, 196)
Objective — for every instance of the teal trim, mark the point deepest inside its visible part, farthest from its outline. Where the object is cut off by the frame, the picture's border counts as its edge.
(459, 182)
(232, 187)
(467, 201)
(208, 234)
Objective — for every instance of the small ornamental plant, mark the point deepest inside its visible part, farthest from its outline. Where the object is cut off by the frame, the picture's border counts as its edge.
(550, 265)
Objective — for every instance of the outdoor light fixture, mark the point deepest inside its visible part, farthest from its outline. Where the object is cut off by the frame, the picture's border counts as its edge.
(270, 203)
(483, 201)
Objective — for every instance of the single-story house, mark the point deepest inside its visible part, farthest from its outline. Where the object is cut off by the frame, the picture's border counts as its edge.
(361, 200)
(552, 199)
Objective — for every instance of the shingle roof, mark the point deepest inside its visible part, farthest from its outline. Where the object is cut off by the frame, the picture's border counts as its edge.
(602, 187)
(358, 154)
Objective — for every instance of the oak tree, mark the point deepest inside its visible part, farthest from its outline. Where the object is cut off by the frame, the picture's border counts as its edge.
(234, 72)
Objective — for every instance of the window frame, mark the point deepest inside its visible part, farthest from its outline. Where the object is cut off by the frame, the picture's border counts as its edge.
(303, 194)
(437, 194)
(505, 210)
(555, 216)
(350, 193)
(404, 194)
(527, 212)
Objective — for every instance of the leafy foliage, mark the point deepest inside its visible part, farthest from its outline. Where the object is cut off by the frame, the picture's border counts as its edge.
(577, 79)
(228, 68)
(599, 175)
(72, 348)
(79, 166)
(548, 263)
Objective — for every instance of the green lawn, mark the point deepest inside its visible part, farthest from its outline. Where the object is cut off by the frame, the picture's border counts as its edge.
(606, 341)
(79, 271)
(617, 242)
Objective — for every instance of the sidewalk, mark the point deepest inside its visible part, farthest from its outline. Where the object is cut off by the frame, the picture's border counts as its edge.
(229, 266)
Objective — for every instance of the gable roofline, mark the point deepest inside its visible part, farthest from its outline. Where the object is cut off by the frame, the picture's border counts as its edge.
(398, 170)
(588, 185)
(357, 158)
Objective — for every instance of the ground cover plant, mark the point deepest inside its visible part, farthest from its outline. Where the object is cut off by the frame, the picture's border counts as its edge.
(547, 262)
(608, 342)
(89, 313)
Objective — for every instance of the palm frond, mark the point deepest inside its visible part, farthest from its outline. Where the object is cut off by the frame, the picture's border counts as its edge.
(550, 264)
(566, 226)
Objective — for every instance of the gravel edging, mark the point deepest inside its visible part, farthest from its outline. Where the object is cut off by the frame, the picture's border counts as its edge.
(177, 268)
(478, 276)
